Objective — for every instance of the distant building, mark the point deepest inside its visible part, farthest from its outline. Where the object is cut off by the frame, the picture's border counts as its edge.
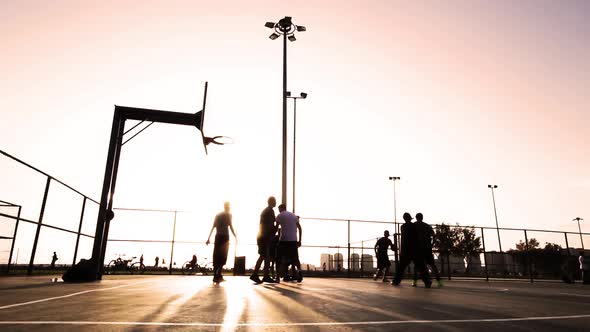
(338, 262)
(354, 262)
(367, 263)
(501, 263)
(475, 266)
(326, 262)
(308, 267)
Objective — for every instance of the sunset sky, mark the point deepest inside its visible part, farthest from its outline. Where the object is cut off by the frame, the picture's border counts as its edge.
(449, 95)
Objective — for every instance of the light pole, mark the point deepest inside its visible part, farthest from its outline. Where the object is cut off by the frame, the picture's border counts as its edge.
(395, 178)
(492, 187)
(580, 230)
(302, 95)
(286, 28)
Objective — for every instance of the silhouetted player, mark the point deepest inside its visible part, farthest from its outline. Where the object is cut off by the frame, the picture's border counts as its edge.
(193, 261)
(383, 263)
(157, 261)
(223, 224)
(295, 266)
(410, 253)
(53, 259)
(425, 241)
(266, 234)
(288, 243)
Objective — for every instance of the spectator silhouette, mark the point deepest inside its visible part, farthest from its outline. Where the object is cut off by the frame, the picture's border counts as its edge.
(53, 259)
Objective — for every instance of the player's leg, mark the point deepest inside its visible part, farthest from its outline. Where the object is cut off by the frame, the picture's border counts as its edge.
(386, 271)
(404, 261)
(424, 274)
(430, 262)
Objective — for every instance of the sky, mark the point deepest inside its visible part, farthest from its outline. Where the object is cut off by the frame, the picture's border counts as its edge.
(449, 96)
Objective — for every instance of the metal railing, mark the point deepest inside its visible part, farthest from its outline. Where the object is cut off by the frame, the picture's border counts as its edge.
(39, 224)
(358, 260)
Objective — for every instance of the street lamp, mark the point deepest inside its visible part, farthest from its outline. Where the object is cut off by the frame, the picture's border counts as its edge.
(395, 178)
(286, 28)
(580, 230)
(302, 95)
(492, 187)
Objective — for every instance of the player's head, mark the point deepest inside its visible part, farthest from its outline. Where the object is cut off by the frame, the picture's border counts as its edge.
(282, 207)
(272, 202)
(386, 234)
(419, 217)
(407, 217)
(226, 206)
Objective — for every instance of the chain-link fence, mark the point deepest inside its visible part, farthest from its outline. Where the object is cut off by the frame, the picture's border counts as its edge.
(47, 225)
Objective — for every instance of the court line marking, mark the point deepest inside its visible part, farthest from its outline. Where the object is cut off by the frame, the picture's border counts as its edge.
(70, 295)
(386, 322)
(571, 294)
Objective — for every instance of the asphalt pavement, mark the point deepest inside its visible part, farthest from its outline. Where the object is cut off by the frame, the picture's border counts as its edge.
(194, 303)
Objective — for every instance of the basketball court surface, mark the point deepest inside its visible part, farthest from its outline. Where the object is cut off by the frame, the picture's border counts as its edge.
(193, 303)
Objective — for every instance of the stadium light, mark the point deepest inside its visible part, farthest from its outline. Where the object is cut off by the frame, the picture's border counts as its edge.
(492, 187)
(302, 95)
(580, 230)
(287, 29)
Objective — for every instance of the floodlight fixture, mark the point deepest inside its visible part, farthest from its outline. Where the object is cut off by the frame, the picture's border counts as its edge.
(285, 23)
(270, 25)
(492, 186)
(303, 95)
(274, 36)
(292, 38)
(301, 28)
(288, 93)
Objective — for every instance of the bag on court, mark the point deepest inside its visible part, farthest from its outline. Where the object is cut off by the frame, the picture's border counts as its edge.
(81, 272)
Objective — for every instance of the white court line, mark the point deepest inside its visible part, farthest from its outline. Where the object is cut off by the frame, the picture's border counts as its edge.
(385, 322)
(570, 294)
(70, 295)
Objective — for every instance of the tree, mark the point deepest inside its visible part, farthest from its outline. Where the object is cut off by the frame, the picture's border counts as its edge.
(445, 240)
(468, 245)
(533, 244)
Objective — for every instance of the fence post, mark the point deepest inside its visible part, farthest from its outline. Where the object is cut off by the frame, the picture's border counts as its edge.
(528, 254)
(39, 222)
(348, 272)
(173, 239)
(485, 259)
(362, 257)
(79, 230)
(13, 240)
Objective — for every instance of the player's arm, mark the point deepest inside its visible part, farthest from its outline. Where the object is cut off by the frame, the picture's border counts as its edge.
(376, 245)
(231, 227)
(211, 232)
(392, 246)
(300, 233)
